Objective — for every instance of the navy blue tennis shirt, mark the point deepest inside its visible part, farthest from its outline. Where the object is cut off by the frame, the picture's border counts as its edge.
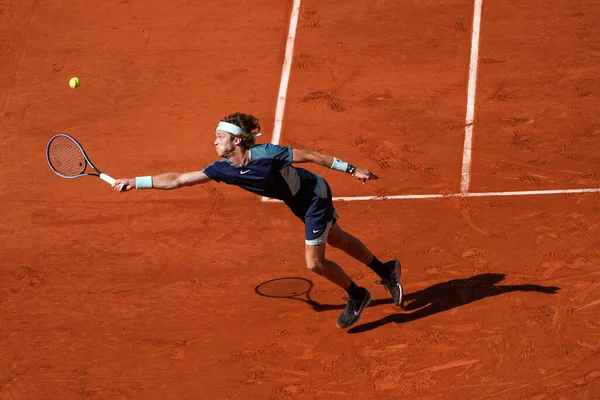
(270, 173)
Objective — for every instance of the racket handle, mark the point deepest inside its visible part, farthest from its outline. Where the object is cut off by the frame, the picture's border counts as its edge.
(107, 179)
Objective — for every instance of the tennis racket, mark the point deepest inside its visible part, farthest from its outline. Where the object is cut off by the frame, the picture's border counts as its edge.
(67, 159)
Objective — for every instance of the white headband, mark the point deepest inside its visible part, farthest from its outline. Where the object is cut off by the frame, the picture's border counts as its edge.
(233, 129)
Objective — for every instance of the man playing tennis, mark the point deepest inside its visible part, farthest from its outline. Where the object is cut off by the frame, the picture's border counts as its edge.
(267, 170)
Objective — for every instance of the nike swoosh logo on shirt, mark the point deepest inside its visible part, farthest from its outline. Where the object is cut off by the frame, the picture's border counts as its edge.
(243, 172)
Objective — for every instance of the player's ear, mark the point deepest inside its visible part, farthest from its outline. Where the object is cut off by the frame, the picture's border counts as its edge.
(237, 140)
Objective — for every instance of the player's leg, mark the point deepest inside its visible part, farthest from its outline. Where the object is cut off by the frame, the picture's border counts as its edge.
(358, 297)
(344, 241)
(317, 263)
(319, 218)
(389, 272)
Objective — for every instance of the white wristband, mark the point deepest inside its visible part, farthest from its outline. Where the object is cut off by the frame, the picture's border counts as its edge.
(143, 182)
(339, 165)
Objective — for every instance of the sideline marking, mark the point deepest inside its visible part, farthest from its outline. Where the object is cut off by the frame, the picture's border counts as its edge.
(445, 196)
(285, 75)
(469, 119)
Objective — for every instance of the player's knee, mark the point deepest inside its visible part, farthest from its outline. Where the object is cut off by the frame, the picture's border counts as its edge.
(315, 266)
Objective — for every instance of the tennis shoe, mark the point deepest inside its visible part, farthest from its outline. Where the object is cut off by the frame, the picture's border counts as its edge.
(353, 310)
(392, 281)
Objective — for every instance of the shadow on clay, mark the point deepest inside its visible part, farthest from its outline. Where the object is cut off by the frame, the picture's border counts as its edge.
(448, 295)
(423, 303)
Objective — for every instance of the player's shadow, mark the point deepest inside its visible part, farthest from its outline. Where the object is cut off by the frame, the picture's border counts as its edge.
(447, 295)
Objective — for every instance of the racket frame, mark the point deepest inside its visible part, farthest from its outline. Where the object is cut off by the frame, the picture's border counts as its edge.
(87, 161)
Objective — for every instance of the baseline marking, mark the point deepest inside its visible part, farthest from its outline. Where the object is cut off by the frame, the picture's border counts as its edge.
(470, 117)
(445, 196)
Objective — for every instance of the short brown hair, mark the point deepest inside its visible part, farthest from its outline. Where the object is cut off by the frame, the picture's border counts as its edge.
(248, 123)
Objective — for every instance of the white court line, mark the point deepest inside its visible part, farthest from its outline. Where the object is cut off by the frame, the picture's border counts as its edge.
(469, 119)
(451, 195)
(285, 73)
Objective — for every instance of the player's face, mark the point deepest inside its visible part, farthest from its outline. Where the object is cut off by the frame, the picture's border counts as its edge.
(224, 144)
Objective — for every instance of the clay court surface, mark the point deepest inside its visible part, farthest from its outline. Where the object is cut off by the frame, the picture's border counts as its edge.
(151, 294)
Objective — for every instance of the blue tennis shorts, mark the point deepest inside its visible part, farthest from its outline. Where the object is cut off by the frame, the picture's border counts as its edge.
(317, 213)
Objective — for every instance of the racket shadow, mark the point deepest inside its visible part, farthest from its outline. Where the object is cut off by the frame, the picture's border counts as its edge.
(297, 288)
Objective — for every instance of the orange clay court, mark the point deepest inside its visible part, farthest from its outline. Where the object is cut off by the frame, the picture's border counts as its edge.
(151, 294)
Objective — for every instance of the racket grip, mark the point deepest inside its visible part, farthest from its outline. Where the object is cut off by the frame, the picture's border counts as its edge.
(107, 179)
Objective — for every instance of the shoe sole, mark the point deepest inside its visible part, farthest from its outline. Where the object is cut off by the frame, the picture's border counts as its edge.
(364, 305)
(397, 273)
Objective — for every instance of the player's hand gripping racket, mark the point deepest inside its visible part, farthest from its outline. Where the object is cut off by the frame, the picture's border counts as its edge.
(67, 159)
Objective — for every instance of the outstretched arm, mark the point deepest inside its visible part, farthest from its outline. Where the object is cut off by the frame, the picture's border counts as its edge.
(303, 156)
(170, 180)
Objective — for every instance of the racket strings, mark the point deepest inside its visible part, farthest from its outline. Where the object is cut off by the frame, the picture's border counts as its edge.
(66, 157)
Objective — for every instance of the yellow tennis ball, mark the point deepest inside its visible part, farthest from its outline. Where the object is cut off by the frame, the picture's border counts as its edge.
(74, 82)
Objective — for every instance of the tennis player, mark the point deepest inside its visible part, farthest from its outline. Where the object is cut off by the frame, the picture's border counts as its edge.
(267, 170)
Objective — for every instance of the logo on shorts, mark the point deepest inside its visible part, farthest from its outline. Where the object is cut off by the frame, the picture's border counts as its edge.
(316, 231)
(244, 172)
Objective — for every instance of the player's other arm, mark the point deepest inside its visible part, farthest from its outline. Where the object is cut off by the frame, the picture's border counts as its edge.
(170, 180)
(304, 156)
